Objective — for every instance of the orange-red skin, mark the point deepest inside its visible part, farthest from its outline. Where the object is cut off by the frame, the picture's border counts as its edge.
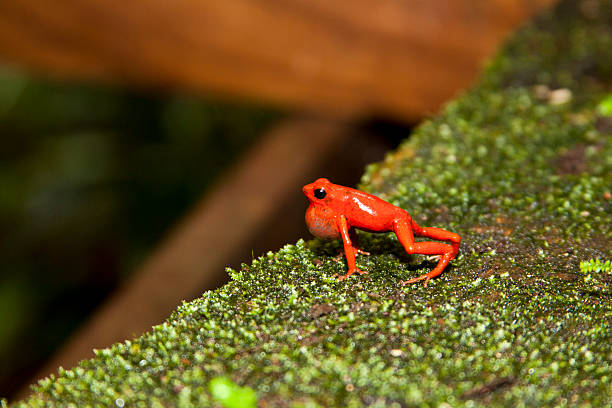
(343, 209)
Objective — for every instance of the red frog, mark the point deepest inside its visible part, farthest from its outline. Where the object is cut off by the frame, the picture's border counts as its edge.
(335, 211)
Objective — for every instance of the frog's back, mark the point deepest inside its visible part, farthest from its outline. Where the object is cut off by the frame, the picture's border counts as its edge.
(368, 212)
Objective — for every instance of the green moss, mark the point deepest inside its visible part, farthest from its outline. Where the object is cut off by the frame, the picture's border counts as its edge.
(595, 265)
(522, 173)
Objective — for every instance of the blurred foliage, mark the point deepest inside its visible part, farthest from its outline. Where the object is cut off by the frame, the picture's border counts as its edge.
(90, 178)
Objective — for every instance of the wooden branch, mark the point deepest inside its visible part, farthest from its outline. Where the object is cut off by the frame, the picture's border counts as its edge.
(193, 257)
(395, 57)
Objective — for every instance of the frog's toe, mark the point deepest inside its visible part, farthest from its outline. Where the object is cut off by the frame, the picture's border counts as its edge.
(425, 277)
(349, 273)
(361, 251)
(340, 276)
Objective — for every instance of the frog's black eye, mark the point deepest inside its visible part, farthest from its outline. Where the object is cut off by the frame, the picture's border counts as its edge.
(319, 193)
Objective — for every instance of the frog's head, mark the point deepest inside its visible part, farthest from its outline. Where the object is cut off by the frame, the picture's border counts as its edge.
(319, 192)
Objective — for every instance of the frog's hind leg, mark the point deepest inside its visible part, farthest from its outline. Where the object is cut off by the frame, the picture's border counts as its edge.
(406, 229)
(439, 234)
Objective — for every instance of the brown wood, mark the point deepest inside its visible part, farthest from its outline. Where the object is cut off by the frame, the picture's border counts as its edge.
(394, 57)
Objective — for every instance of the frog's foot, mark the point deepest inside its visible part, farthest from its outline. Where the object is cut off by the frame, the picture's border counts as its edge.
(425, 277)
(444, 259)
(349, 273)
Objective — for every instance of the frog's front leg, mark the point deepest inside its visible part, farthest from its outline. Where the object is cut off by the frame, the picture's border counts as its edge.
(356, 249)
(349, 249)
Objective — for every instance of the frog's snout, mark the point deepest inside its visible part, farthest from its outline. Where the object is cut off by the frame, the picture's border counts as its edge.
(307, 190)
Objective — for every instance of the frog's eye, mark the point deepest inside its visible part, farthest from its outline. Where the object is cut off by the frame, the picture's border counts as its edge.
(319, 193)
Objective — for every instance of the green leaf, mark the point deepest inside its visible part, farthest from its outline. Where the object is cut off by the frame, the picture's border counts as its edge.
(231, 395)
(605, 106)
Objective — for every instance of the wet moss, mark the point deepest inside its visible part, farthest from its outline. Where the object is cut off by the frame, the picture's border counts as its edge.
(522, 173)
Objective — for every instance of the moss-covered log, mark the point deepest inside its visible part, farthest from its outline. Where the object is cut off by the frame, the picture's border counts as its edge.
(521, 167)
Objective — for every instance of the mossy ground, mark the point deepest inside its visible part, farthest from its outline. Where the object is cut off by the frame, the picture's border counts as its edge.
(524, 179)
